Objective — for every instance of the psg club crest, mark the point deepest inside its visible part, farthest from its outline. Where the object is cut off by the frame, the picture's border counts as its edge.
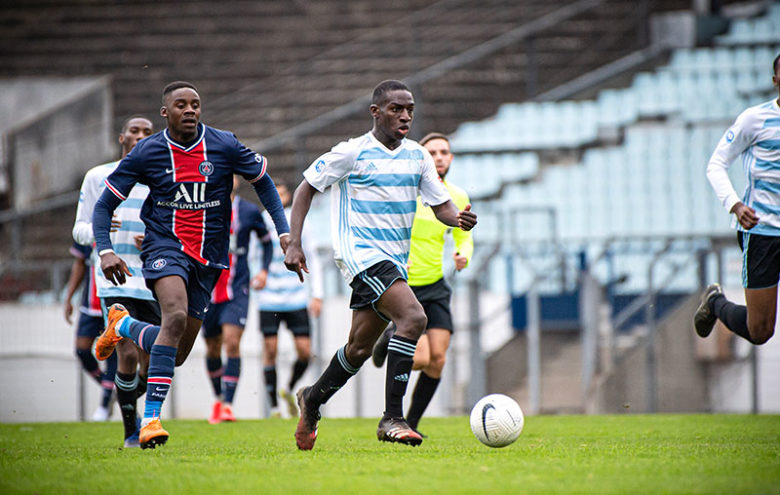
(158, 264)
(206, 168)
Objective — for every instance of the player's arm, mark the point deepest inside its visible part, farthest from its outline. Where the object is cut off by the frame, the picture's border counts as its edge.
(316, 276)
(464, 248)
(259, 280)
(294, 257)
(118, 186)
(735, 141)
(77, 271)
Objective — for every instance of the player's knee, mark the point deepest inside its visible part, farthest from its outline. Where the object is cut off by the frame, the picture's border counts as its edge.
(436, 362)
(413, 324)
(175, 321)
(761, 334)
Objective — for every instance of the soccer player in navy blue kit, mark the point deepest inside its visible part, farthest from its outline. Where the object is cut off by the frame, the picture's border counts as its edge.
(226, 318)
(189, 169)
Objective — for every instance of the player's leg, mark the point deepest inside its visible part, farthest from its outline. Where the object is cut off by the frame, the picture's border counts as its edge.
(299, 325)
(430, 375)
(90, 327)
(366, 327)
(422, 355)
(232, 341)
(269, 326)
(212, 336)
(755, 322)
(126, 381)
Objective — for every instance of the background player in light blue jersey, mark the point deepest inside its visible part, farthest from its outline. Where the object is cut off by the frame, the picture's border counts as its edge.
(755, 136)
(375, 180)
(127, 232)
(89, 326)
(283, 298)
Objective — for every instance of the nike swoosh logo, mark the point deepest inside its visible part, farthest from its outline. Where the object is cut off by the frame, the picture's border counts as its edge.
(485, 409)
(171, 170)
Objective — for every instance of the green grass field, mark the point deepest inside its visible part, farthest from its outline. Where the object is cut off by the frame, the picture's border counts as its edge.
(628, 454)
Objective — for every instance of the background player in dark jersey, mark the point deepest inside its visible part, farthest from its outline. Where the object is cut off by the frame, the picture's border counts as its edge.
(89, 326)
(189, 169)
(226, 318)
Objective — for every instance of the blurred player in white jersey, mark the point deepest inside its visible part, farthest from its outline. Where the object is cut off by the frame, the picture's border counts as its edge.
(127, 232)
(375, 180)
(755, 137)
(89, 326)
(284, 299)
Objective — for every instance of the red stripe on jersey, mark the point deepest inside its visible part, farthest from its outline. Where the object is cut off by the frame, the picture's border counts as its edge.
(189, 225)
(114, 190)
(222, 291)
(94, 300)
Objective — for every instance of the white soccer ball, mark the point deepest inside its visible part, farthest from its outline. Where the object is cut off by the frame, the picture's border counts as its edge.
(496, 420)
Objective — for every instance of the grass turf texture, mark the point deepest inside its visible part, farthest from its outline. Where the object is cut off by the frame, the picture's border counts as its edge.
(555, 454)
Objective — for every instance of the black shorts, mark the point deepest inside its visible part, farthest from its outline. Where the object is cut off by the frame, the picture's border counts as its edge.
(369, 285)
(435, 300)
(760, 260)
(141, 309)
(297, 322)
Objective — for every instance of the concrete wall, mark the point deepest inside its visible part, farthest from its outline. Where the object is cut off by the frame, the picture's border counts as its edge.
(50, 152)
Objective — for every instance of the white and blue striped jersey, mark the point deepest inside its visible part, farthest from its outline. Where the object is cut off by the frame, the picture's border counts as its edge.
(283, 291)
(755, 135)
(374, 198)
(129, 213)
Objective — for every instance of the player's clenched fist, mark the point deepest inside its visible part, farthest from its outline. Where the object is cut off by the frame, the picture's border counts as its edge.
(467, 219)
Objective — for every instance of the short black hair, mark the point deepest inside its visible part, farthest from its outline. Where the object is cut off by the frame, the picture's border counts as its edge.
(774, 65)
(433, 135)
(133, 117)
(381, 90)
(171, 87)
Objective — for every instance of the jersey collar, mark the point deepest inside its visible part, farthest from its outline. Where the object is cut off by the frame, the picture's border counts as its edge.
(201, 133)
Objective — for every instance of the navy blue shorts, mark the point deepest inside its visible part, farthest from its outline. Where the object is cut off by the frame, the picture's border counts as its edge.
(89, 326)
(760, 260)
(297, 322)
(369, 285)
(229, 312)
(199, 279)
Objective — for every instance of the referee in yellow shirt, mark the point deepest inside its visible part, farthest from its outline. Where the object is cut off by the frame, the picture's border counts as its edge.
(426, 278)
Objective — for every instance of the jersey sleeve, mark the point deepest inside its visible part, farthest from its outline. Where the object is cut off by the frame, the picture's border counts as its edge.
(249, 164)
(432, 191)
(88, 196)
(735, 140)
(80, 251)
(331, 167)
(126, 175)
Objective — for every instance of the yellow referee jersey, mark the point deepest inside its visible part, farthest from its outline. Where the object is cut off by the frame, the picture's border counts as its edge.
(427, 248)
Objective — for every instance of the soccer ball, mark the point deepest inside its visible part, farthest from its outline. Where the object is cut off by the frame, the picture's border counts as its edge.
(496, 420)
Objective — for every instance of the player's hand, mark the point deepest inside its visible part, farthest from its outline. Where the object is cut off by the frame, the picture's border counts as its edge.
(746, 216)
(467, 219)
(284, 241)
(295, 260)
(68, 311)
(116, 224)
(315, 307)
(114, 268)
(138, 240)
(460, 261)
(259, 280)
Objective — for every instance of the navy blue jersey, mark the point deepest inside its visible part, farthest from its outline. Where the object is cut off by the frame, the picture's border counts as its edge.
(246, 218)
(188, 206)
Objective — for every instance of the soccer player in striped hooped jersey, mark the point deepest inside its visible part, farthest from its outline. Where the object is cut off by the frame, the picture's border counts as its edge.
(189, 169)
(428, 284)
(126, 232)
(755, 136)
(375, 180)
